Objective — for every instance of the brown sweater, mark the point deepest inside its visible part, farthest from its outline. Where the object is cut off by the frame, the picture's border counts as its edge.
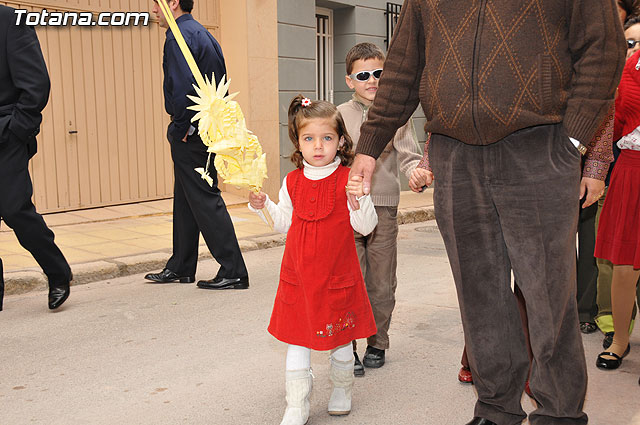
(483, 69)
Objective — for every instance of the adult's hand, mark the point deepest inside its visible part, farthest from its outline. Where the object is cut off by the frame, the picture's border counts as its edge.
(363, 166)
(420, 178)
(593, 188)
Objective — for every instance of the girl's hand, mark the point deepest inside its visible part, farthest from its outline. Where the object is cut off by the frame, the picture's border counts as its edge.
(257, 200)
(420, 177)
(355, 186)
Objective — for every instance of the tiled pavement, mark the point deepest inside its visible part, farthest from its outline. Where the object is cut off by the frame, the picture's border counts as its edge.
(119, 240)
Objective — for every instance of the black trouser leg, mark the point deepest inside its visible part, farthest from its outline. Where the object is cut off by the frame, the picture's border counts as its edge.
(587, 268)
(186, 235)
(207, 209)
(19, 213)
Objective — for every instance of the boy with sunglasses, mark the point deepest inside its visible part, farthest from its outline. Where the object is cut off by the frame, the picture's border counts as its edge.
(377, 252)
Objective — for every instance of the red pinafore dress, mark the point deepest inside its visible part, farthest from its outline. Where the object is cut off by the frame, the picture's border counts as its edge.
(321, 301)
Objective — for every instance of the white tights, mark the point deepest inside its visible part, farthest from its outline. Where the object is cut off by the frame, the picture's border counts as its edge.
(300, 357)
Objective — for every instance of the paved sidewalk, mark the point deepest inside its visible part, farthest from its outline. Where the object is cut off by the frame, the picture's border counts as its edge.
(109, 242)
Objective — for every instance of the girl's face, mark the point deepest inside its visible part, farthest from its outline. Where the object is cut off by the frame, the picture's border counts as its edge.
(318, 141)
(633, 34)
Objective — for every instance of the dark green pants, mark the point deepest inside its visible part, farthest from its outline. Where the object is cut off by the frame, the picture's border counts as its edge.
(378, 255)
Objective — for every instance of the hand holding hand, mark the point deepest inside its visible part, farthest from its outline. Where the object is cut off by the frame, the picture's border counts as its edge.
(257, 200)
(355, 186)
(593, 188)
(363, 166)
(420, 177)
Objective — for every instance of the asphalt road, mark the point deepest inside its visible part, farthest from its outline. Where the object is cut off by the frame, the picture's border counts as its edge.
(127, 352)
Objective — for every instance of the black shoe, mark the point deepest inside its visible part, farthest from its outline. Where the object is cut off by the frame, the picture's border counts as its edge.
(481, 421)
(225, 283)
(614, 363)
(167, 276)
(608, 340)
(588, 327)
(358, 368)
(58, 295)
(373, 357)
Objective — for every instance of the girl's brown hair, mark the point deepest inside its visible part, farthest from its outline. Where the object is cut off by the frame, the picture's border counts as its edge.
(317, 109)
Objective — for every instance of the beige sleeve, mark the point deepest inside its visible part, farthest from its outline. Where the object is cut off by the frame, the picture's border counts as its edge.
(405, 143)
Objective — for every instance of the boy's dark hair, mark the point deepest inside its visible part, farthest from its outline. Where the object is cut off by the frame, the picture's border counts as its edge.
(632, 7)
(186, 5)
(363, 51)
(631, 22)
(317, 109)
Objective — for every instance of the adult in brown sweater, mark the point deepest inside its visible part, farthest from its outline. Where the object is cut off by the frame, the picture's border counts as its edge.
(509, 89)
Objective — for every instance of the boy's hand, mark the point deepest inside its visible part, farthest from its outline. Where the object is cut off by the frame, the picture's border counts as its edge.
(257, 200)
(420, 177)
(355, 186)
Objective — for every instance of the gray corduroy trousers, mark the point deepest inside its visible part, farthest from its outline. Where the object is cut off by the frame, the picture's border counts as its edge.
(513, 206)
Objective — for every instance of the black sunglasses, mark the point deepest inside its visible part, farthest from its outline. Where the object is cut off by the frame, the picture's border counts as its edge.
(632, 43)
(365, 75)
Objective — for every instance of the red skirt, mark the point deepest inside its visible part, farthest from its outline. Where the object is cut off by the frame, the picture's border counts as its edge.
(618, 237)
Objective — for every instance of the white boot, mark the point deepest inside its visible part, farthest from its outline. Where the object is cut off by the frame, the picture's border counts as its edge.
(298, 385)
(342, 377)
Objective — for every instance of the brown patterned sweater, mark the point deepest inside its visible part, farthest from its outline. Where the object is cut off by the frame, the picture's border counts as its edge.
(483, 69)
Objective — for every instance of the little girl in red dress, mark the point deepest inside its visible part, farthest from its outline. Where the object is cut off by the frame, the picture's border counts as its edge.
(321, 303)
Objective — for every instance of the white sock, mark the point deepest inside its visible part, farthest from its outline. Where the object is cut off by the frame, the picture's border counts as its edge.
(343, 353)
(298, 357)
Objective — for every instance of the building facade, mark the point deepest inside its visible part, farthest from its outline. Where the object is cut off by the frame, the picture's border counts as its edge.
(102, 139)
(314, 37)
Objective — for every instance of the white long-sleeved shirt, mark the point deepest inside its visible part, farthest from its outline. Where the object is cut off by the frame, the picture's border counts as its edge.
(631, 141)
(363, 220)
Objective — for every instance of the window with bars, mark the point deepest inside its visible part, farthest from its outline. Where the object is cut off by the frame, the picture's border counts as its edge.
(324, 54)
(392, 13)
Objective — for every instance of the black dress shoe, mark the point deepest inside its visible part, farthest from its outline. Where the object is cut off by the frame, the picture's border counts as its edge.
(614, 363)
(58, 295)
(167, 276)
(608, 340)
(373, 357)
(225, 283)
(358, 368)
(481, 421)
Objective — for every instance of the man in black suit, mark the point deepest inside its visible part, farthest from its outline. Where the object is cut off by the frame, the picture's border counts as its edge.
(197, 207)
(24, 92)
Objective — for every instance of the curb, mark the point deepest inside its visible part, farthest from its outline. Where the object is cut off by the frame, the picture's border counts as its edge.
(28, 280)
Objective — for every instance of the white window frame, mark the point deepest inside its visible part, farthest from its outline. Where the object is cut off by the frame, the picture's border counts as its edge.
(324, 54)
